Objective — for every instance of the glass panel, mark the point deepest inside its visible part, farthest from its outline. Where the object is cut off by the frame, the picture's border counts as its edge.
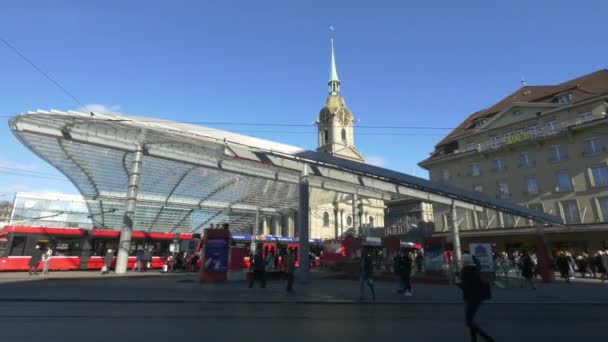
(600, 175)
(571, 212)
(604, 208)
(564, 181)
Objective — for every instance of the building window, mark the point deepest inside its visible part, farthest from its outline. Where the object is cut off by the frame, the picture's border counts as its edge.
(474, 169)
(479, 123)
(326, 136)
(482, 218)
(592, 146)
(371, 222)
(478, 188)
(445, 175)
(532, 185)
(525, 160)
(349, 221)
(344, 135)
(599, 175)
(571, 213)
(585, 116)
(499, 165)
(563, 99)
(326, 219)
(557, 153)
(564, 181)
(503, 190)
(472, 145)
(507, 220)
(495, 141)
(603, 202)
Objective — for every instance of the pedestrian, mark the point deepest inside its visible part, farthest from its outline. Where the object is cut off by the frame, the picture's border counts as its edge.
(474, 292)
(405, 271)
(147, 260)
(269, 261)
(604, 259)
(419, 262)
(35, 260)
(527, 270)
(46, 259)
(563, 265)
(290, 268)
(107, 262)
(366, 274)
(139, 256)
(591, 261)
(581, 263)
(259, 269)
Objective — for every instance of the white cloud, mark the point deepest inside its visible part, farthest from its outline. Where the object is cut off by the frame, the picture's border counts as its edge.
(376, 161)
(99, 109)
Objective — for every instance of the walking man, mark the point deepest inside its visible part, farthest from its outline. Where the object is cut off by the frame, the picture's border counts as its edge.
(366, 274)
(474, 292)
(405, 271)
(259, 268)
(290, 268)
(527, 270)
(107, 262)
(604, 259)
(46, 259)
(35, 260)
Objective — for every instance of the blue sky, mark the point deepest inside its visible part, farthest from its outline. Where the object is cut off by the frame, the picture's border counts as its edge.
(401, 63)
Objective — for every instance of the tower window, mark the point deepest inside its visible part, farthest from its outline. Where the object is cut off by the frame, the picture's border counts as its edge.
(326, 136)
(343, 135)
(326, 219)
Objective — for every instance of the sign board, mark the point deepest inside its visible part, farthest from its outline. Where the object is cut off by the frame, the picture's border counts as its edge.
(518, 137)
(216, 255)
(483, 253)
(174, 248)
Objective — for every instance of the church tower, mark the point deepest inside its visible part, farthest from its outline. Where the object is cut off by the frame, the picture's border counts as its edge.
(335, 123)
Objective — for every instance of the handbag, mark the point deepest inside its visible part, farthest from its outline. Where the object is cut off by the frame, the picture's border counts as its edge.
(104, 268)
(486, 291)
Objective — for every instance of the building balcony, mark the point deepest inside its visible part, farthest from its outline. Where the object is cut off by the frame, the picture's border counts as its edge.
(497, 170)
(539, 133)
(597, 152)
(528, 165)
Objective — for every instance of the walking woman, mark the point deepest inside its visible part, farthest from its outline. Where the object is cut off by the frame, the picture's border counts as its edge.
(34, 261)
(474, 292)
(46, 259)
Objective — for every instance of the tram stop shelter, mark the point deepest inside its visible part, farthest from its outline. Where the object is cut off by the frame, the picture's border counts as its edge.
(158, 175)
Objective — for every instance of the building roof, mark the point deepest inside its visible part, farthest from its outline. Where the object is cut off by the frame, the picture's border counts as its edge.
(193, 175)
(582, 88)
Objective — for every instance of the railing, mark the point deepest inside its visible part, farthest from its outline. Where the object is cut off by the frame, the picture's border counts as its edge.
(538, 133)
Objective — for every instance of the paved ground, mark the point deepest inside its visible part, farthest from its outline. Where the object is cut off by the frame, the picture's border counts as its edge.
(86, 307)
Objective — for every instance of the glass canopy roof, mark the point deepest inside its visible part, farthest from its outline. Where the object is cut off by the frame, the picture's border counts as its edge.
(193, 176)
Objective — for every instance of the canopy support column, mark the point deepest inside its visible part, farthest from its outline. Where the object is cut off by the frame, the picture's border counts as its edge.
(303, 226)
(356, 223)
(456, 236)
(129, 216)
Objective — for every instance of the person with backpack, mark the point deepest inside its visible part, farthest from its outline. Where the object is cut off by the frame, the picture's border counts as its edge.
(35, 261)
(527, 270)
(474, 292)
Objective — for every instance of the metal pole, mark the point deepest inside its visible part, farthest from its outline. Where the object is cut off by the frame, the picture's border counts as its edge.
(457, 251)
(303, 226)
(254, 233)
(129, 216)
(356, 225)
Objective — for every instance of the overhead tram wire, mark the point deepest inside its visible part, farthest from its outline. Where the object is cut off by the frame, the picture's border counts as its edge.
(45, 74)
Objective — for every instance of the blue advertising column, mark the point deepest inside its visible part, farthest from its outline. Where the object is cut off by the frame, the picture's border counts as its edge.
(303, 274)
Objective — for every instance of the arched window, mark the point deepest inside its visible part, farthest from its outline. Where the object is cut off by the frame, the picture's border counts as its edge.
(326, 136)
(343, 135)
(326, 219)
(349, 221)
(371, 221)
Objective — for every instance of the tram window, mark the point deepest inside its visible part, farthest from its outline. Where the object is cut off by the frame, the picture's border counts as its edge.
(18, 245)
(65, 247)
(3, 245)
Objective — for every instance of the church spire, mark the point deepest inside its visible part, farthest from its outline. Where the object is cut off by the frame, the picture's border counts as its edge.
(334, 81)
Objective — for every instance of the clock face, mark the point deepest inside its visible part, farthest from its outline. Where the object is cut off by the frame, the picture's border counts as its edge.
(343, 117)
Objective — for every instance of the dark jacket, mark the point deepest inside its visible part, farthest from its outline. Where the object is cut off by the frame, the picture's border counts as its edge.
(471, 285)
(259, 264)
(367, 267)
(563, 265)
(527, 269)
(108, 259)
(404, 265)
(147, 256)
(36, 257)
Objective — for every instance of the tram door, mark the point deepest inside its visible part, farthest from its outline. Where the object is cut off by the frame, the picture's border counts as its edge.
(295, 248)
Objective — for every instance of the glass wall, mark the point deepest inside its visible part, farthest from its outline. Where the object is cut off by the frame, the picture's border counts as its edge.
(50, 210)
